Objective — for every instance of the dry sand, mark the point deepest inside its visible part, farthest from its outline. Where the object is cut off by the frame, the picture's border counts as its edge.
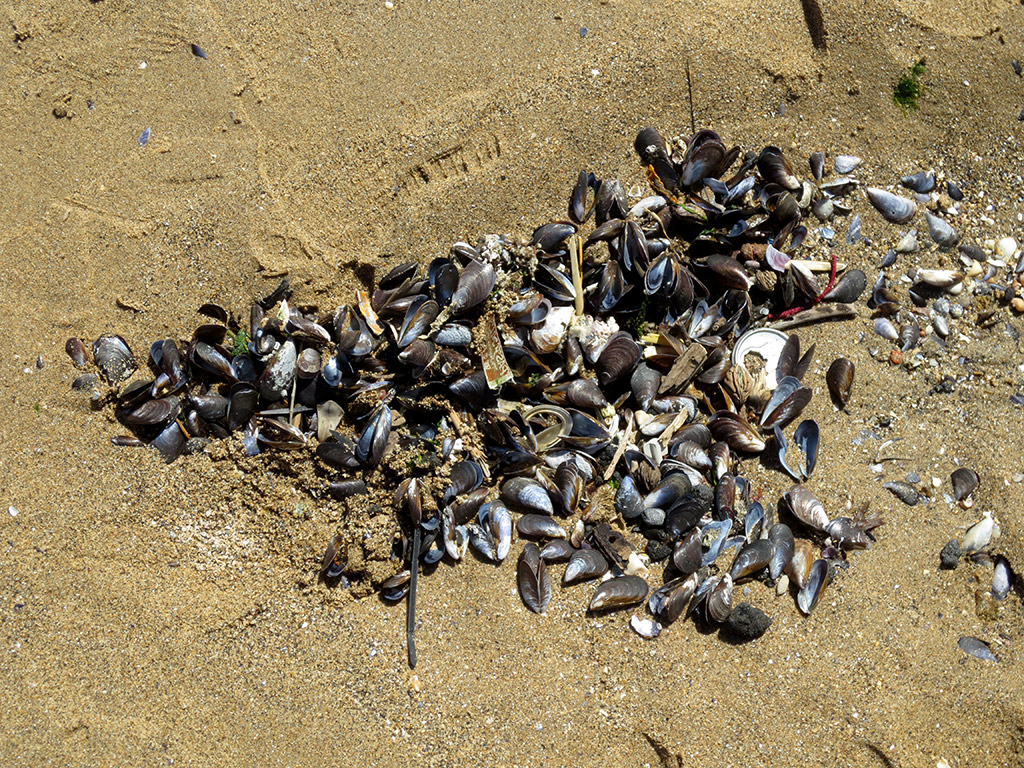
(157, 615)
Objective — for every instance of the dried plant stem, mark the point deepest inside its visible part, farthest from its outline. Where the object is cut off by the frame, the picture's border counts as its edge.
(576, 258)
(410, 617)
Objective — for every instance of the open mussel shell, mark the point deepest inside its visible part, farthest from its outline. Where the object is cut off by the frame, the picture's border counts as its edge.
(964, 481)
(669, 601)
(786, 403)
(113, 357)
(840, 381)
(809, 595)
(334, 560)
(621, 592)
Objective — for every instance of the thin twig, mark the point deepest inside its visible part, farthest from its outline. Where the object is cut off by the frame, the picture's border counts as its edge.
(689, 93)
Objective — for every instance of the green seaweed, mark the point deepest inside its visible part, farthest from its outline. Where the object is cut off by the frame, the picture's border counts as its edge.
(909, 89)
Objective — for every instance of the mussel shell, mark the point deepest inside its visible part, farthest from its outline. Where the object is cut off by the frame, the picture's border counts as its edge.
(76, 350)
(670, 600)
(343, 489)
(465, 476)
(786, 403)
(719, 600)
(752, 558)
(551, 237)
(418, 318)
(525, 493)
(585, 564)
(152, 412)
(687, 554)
(840, 381)
(113, 357)
(774, 169)
(849, 287)
(922, 182)
(782, 541)
(620, 592)
(533, 580)
(809, 595)
(940, 231)
(369, 449)
(964, 481)
(557, 551)
(806, 508)
(533, 526)
(170, 442)
(476, 281)
(734, 431)
(618, 358)
(894, 209)
(628, 501)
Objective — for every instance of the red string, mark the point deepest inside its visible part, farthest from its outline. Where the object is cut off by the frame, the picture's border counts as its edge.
(794, 310)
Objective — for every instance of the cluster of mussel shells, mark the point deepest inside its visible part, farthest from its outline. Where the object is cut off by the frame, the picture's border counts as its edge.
(522, 377)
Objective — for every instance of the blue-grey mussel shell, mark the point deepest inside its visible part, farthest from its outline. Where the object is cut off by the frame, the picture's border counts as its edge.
(811, 592)
(786, 403)
(620, 592)
(977, 648)
(782, 541)
(524, 493)
(533, 579)
(531, 526)
(895, 209)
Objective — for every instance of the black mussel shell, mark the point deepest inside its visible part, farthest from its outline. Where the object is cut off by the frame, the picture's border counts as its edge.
(475, 284)
(551, 237)
(585, 564)
(618, 358)
(786, 403)
(964, 481)
(533, 580)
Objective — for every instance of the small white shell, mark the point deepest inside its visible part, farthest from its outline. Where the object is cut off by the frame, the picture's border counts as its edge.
(645, 627)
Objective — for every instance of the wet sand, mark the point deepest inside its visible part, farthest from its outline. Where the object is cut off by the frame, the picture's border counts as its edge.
(154, 614)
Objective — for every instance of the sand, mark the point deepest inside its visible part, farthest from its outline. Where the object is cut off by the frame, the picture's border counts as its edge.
(157, 615)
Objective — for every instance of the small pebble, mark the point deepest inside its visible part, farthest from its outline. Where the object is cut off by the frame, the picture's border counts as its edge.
(949, 557)
(12, 511)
